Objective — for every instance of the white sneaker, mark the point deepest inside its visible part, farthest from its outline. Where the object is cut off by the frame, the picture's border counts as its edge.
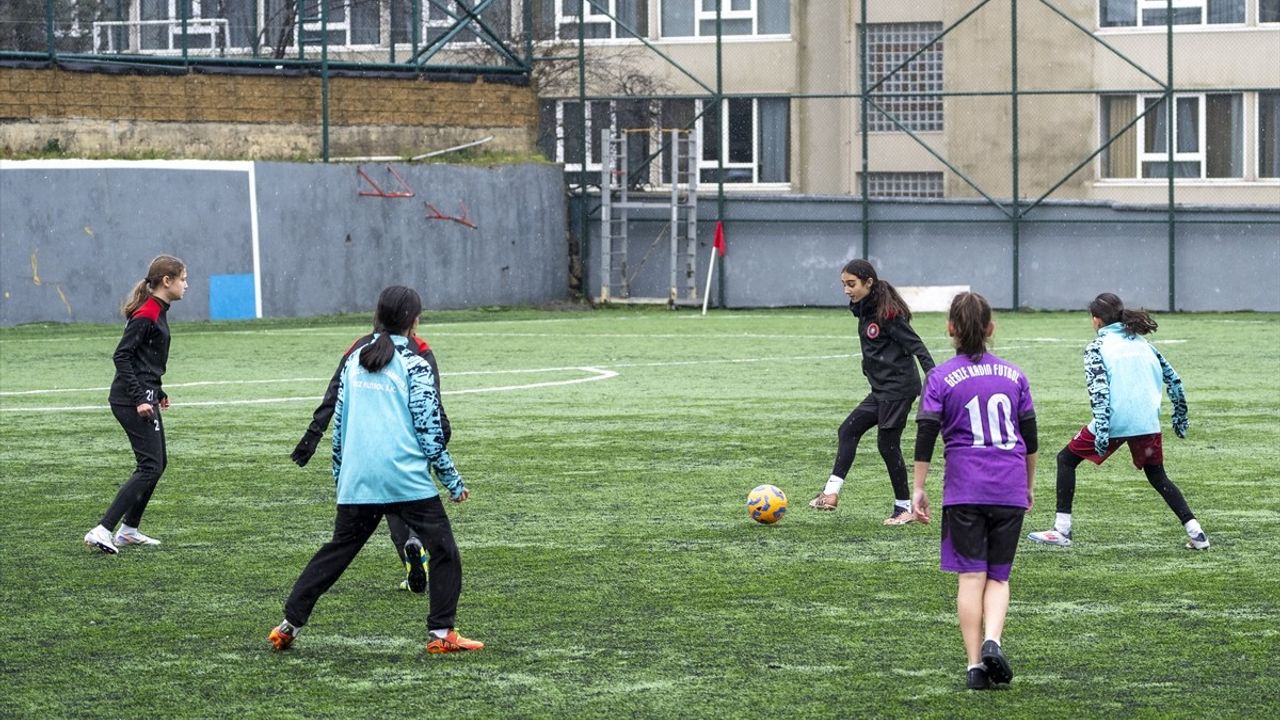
(1051, 537)
(99, 539)
(134, 538)
(1199, 541)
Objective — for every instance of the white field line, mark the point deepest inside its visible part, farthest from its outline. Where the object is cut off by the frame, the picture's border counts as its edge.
(597, 373)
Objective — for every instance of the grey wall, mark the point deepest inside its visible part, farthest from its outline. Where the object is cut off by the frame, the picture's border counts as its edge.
(788, 251)
(92, 227)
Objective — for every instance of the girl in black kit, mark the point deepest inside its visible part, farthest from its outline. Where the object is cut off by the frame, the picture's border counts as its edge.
(890, 350)
(137, 399)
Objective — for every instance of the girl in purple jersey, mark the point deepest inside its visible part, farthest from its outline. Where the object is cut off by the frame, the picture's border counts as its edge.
(982, 406)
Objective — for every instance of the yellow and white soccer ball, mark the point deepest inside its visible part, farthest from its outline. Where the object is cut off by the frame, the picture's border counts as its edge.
(766, 504)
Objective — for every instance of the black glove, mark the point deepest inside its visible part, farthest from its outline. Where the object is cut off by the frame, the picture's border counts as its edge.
(306, 448)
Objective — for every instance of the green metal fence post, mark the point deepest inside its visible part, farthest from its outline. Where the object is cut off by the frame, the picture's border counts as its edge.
(584, 244)
(324, 79)
(724, 150)
(1169, 120)
(184, 8)
(1015, 217)
(391, 34)
(865, 183)
(48, 30)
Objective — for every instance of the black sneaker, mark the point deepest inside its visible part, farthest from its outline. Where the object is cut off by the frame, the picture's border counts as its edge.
(997, 665)
(415, 561)
(978, 679)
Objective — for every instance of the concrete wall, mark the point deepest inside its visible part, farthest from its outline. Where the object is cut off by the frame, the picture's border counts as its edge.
(76, 235)
(788, 251)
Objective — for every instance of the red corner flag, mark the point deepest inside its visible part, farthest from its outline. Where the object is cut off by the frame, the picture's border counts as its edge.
(719, 241)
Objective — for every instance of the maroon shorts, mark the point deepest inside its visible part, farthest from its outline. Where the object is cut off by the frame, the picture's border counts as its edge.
(1146, 449)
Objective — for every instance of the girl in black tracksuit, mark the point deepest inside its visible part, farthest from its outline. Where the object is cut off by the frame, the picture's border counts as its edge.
(136, 400)
(890, 350)
(400, 532)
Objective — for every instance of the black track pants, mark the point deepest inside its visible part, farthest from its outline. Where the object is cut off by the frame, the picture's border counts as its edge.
(146, 435)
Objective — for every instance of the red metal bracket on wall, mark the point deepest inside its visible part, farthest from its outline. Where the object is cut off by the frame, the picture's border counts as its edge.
(463, 219)
(377, 191)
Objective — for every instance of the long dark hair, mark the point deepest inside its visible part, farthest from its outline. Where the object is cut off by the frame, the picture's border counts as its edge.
(398, 308)
(884, 298)
(1109, 308)
(161, 267)
(970, 316)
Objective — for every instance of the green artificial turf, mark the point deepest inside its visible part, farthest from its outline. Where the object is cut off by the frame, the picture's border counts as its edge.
(609, 563)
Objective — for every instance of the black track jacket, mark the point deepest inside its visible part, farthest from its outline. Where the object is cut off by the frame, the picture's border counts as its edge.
(890, 349)
(324, 413)
(141, 356)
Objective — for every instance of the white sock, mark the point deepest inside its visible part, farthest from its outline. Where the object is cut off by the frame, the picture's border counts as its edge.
(833, 485)
(126, 530)
(442, 634)
(904, 504)
(1062, 523)
(993, 639)
(1193, 527)
(976, 666)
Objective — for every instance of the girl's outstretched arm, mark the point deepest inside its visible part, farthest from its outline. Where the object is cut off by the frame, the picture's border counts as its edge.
(1095, 379)
(1173, 384)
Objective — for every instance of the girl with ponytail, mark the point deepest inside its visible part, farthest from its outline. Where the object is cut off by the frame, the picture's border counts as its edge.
(387, 443)
(890, 351)
(981, 405)
(136, 400)
(1124, 374)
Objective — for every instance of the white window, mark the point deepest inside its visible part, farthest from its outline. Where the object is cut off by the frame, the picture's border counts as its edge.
(697, 18)
(751, 148)
(1269, 134)
(558, 19)
(347, 23)
(903, 94)
(1269, 11)
(1155, 13)
(1208, 136)
(745, 140)
(903, 184)
(438, 18)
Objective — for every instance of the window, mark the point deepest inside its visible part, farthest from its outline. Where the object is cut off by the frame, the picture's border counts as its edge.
(441, 15)
(1269, 11)
(1149, 13)
(1269, 134)
(745, 140)
(1208, 136)
(902, 184)
(888, 45)
(347, 22)
(697, 18)
(752, 147)
(558, 19)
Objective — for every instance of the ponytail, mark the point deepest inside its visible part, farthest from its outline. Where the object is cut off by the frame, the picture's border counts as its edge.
(970, 316)
(137, 296)
(1110, 309)
(377, 354)
(884, 299)
(161, 267)
(398, 309)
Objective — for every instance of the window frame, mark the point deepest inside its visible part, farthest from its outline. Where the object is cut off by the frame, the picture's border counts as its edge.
(1248, 134)
(701, 15)
(1144, 5)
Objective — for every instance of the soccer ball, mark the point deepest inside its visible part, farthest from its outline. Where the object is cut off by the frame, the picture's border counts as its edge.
(766, 504)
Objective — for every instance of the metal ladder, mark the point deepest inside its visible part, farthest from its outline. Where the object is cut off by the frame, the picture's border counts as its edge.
(615, 207)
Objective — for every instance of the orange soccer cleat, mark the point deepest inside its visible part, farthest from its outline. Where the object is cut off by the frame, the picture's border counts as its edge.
(283, 635)
(453, 642)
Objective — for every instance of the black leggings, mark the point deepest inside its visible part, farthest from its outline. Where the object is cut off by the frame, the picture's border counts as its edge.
(1069, 461)
(351, 530)
(146, 435)
(888, 441)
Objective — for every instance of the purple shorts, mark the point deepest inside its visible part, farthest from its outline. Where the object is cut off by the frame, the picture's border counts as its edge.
(981, 538)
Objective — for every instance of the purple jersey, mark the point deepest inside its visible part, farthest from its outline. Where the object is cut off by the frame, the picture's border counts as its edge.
(979, 406)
